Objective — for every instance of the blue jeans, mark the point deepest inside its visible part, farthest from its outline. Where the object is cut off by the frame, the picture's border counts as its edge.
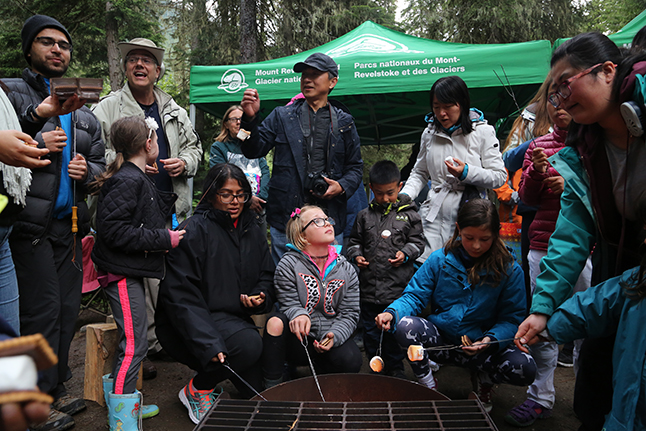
(279, 243)
(9, 305)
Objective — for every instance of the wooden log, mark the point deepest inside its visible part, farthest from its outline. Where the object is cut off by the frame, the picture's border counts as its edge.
(100, 347)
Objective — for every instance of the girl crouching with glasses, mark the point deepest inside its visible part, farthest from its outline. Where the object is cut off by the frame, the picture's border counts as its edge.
(219, 276)
(318, 296)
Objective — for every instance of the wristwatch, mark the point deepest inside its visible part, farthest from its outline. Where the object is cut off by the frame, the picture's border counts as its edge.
(31, 111)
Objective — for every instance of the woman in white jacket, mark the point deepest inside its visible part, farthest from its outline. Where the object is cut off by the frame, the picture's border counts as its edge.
(460, 154)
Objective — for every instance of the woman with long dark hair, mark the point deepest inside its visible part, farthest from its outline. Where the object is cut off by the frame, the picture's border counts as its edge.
(603, 168)
(219, 276)
(460, 154)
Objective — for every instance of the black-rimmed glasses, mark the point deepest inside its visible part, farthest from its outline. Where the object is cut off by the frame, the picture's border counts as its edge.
(319, 222)
(48, 42)
(227, 198)
(564, 91)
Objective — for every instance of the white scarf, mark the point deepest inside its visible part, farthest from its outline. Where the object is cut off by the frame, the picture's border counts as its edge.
(16, 181)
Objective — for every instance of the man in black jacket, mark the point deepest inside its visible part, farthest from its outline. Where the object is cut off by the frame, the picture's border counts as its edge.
(317, 158)
(46, 253)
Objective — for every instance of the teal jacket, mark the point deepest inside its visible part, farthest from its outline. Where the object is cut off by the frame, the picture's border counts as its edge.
(256, 170)
(573, 239)
(600, 311)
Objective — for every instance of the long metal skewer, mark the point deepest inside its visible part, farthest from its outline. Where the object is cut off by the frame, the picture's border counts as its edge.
(244, 381)
(316, 379)
(453, 347)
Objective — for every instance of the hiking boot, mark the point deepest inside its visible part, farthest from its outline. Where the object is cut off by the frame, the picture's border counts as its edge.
(68, 405)
(198, 402)
(526, 414)
(149, 370)
(483, 387)
(56, 421)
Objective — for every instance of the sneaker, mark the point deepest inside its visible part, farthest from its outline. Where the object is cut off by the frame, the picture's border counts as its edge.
(434, 366)
(68, 405)
(565, 359)
(198, 402)
(483, 388)
(428, 380)
(526, 414)
(56, 421)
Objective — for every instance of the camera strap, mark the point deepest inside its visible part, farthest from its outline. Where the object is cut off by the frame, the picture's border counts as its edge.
(305, 122)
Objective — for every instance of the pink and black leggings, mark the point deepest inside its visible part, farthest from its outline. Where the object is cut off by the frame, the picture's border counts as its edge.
(128, 302)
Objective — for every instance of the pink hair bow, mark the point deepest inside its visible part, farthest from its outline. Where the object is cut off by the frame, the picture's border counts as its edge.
(296, 213)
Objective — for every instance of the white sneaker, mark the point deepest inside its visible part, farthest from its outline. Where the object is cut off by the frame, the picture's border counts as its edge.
(428, 380)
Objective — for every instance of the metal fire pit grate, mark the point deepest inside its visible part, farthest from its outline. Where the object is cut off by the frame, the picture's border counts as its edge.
(240, 415)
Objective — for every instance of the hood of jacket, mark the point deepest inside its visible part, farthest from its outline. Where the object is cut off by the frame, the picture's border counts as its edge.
(403, 202)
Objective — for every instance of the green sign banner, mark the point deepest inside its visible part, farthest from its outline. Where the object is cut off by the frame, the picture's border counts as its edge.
(376, 60)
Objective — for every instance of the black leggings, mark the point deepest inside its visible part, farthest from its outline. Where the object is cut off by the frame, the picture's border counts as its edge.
(509, 365)
(244, 351)
(345, 358)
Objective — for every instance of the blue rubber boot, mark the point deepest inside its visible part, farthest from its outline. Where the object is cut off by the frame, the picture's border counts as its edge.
(147, 411)
(124, 413)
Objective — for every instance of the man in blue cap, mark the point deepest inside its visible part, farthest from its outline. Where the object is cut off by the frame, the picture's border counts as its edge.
(317, 159)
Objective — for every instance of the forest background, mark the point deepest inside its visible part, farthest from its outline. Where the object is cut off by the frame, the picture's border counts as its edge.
(218, 32)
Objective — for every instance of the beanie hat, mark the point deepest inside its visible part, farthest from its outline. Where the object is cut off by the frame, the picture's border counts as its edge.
(35, 25)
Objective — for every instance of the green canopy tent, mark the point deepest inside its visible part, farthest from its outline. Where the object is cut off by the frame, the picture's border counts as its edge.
(384, 79)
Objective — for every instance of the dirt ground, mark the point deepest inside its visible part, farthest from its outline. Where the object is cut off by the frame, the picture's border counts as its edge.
(453, 382)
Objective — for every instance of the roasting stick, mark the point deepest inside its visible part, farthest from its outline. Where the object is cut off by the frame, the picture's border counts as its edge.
(415, 351)
(316, 379)
(243, 380)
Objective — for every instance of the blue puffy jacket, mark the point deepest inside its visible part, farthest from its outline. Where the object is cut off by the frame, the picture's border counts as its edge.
(461, 308)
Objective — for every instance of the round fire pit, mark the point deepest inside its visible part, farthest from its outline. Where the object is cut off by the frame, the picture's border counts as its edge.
(351, 388)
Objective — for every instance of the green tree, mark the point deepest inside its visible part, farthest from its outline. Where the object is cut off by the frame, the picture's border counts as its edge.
(609, 16)
(492, 21)
(86, 22)
(301, 25)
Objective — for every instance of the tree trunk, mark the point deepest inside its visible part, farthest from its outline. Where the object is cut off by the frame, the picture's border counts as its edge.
(115, 67)
(248, 31)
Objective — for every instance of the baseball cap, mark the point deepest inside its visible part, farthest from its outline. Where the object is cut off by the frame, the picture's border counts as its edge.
(318, 61)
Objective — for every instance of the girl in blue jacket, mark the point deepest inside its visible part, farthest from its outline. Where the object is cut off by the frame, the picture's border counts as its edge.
(474, 289)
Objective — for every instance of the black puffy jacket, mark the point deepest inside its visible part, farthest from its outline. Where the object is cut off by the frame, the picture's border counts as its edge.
(378, 234)
(199, 300)
(41, 197)
(131, 234)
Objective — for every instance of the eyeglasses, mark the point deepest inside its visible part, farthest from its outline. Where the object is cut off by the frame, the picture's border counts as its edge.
(564, 91)
(319, 222)
(48, 42)
(234, 119)
(145, 60)
(227, 198)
